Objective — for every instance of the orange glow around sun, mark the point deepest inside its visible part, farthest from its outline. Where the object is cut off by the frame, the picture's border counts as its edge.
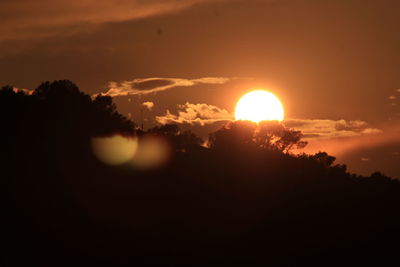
(259, 105)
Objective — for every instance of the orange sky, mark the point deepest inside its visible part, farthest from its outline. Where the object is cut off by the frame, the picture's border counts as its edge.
(327, 60)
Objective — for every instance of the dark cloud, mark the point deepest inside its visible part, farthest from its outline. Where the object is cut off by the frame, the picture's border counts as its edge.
(152, 85)
(24, 19)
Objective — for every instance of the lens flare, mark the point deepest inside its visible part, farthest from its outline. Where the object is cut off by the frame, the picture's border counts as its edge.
(114, 150)
(152, 152)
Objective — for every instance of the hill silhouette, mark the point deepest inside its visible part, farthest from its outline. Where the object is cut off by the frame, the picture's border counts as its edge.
(242, 200)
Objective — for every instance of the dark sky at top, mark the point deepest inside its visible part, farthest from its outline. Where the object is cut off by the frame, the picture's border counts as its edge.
(335, 64)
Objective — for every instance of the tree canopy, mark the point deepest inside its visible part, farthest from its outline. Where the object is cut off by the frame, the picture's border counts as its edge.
(241, 199)
(266, 135)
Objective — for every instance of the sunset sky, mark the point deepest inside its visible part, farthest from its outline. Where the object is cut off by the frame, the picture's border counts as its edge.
(334, 64)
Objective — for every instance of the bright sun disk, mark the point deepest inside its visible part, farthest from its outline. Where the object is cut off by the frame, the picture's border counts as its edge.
(259, 105)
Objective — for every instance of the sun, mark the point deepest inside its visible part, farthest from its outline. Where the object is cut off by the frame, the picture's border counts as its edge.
(259, 105)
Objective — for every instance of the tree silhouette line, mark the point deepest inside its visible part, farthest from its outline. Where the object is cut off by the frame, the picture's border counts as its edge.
(241, 198)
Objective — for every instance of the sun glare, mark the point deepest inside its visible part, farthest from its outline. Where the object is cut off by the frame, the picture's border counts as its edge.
(259, 105)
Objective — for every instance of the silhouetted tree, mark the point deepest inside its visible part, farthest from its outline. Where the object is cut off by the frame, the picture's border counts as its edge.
(237, 134)
(65, 103)
(323, 158)
(185, 141)
(266, 135)
(274, 135)
(245, 200)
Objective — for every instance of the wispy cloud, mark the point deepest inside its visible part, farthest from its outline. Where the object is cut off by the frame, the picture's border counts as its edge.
(153, 85)
(392, 97)
(196, 114)
(29, 19)
(340, 147)
(325, 129)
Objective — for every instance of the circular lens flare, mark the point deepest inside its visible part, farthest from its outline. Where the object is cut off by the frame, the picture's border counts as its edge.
(152, 152)
(259, 105)
(114, 150)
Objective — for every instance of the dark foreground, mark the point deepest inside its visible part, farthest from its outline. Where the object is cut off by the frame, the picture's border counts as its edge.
(235, 203)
